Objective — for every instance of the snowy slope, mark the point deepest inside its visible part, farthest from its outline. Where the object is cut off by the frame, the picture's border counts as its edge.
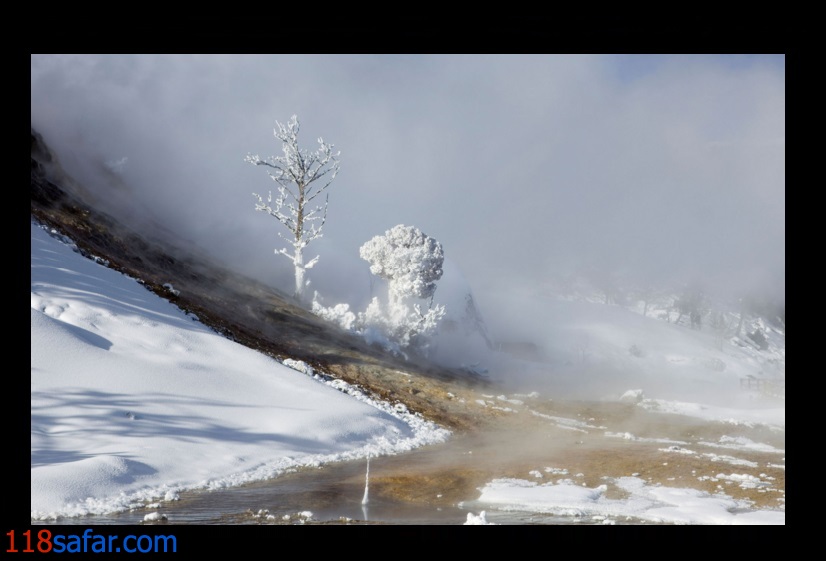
(132, 400)
(601, 351)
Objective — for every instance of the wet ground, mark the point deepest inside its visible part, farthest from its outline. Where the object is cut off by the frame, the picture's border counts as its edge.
(589, 443)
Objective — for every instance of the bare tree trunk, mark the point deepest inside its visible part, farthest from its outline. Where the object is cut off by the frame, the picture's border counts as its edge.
(298, 261)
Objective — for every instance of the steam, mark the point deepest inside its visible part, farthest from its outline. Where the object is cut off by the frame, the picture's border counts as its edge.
(526, 168)
(366, 499)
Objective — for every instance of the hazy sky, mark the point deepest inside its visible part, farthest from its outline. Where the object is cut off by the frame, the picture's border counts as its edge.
(523, 167)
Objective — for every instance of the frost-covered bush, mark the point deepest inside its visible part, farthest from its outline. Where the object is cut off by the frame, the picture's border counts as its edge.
(398, 326)
(339, 314)
(411, 262)
(408, 259)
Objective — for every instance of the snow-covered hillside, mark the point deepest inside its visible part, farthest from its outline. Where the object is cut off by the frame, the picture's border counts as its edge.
(590, 349)
(132, 400)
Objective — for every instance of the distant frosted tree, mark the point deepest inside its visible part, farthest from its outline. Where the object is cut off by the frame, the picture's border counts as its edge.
(721, 326)
(694, 303)
(301, 177)
(646, 293)
(473, 321)
(607, 281)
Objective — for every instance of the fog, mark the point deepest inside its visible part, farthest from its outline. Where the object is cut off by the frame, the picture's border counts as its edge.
(667, 169)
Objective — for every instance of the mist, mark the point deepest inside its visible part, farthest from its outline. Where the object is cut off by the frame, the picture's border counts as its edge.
(667, 169)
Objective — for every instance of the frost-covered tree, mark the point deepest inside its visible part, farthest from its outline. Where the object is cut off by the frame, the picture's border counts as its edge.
(301, 177)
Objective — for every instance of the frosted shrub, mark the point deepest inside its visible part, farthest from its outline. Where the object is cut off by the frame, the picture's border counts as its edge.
(339, 314)
(411, 263)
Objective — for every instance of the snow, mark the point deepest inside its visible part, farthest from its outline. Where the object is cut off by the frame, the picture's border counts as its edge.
(478, 520)
(645, 502)
(772, 417)
(133, 401)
